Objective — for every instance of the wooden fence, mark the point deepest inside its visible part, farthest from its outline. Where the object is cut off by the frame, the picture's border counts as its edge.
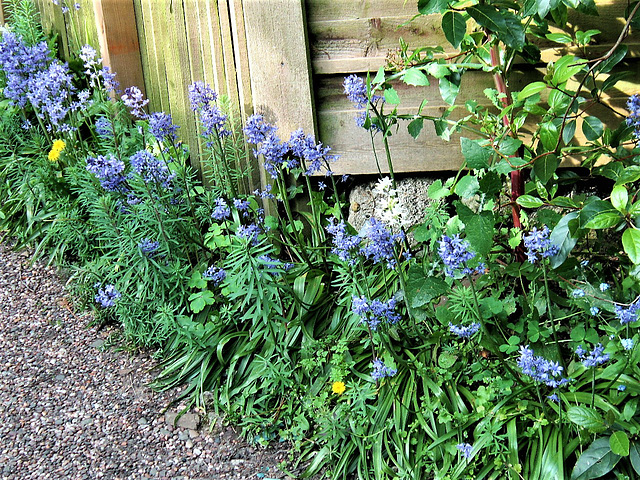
(287, 59)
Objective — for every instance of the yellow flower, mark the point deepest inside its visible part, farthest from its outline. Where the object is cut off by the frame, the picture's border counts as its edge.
(338, 388)
(58, 146)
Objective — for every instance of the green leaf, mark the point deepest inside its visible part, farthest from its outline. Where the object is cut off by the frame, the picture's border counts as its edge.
(628, 175)
(598, 208)
(478, 228)
(438, 70)
(619, 443)
(545, 167)
(436, 191)
(529, 201)
(467, 186)
(565, 68)
(596, 461)
(379, 78)
(391, 96)
(415, 127)
(587, 418)
(569, 131)
(421, 289)
(447, 360)
(476, 156)
(592, 128)
(619, 198)
(509, 146)
(450, 87)
(427, 7)
(416, 77)
(549, 136)
(488, 17)
(559, 37)
(514, 35)
(200, 299)
(631, 244)
(634, 456)
(604, 220)
(531, 89)
(454, 27)
(613, 60)
(196, 281)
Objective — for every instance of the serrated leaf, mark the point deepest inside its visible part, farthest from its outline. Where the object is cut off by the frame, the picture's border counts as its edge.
(436, 191)
(450, 87)
(619, 443)
(631, 244)
(478, 228)
(531, 89)
(545, 167)
(514, 34)
(416, 77)
(619, 198)
(391, 96)
(596, 461)
(447, 360)
(467, 186)
(454, 27)
(592, 128)
(421, 289)
(415, 127)
(476, 156)
(196, 281)
(587, 418)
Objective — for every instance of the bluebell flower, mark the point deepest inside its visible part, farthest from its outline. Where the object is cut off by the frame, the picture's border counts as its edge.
(465, 450)
(379, 243)
(213, 121)
(257, 130)
(345, 246)
(107, 296)
(375, 312)
(622, 388)
(249, 232)
(314, 155)
(241, 205)
(464, 331)
(49, 91)
(540, 369)
(633, 120)
(627, 314)
(104, 127)
(584, 263)
(162, 127)
(538, 245)
(554, 397)
(322, 186)
(221, 210)
(594, 358)
(88, 55)
(109, 170)
(578, 293)
(148, 247)
(215, 275)
(627, 343)
(594, 310)
(455, 255)
(380, 370)
(134, 100)
(356, 90)
(604, 287)
(151, 169)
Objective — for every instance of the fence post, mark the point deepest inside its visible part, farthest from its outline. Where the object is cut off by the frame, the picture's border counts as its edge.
(118, 39)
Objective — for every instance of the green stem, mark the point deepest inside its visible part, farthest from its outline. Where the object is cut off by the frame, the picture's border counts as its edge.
(550, 314)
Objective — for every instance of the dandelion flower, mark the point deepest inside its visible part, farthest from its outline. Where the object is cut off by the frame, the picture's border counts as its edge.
(57, 147)
(338, 388)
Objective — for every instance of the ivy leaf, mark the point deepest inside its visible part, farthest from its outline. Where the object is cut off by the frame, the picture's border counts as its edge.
(596, 461)
(415, 77)
(545, 167)
(631, 244)
(619, 443)
(592, 128)
(475, 155)
(454, 27)
(415, 127)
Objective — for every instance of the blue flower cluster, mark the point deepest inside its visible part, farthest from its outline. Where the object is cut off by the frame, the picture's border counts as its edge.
(593, 358)
(628, 314)
(278, 155)
(356, 91)
(538, 245)
(104, 127)
(241, 205)
(213, 121)
(540, 369)
(135, 101)
(379, 243)
(215, 275)
(249, 232)
(633, 120)
(109, 170)
(50, 92)
(148, 247)
(98, 76)
(345, 246)
(455, 254)
(107, 296)
(20, 62)
(465, 450)
(627, 343)
(374, 312)
(221, 210)
(380, 370)
(464, 331)
(162, 127)
(151, 169)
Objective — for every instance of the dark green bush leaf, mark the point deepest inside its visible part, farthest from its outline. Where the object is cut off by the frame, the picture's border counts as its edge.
(475, 155)
(587, 418)
(619, 443)
(545, 167)
(596, 461)
(454, 27)
(529, 201)
(592, 128)
(415, 127)
(631, 244)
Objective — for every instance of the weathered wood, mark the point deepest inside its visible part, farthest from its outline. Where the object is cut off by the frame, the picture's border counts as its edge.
(118, 38)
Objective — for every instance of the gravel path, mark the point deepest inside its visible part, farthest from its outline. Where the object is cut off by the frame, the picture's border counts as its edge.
(69, 409)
